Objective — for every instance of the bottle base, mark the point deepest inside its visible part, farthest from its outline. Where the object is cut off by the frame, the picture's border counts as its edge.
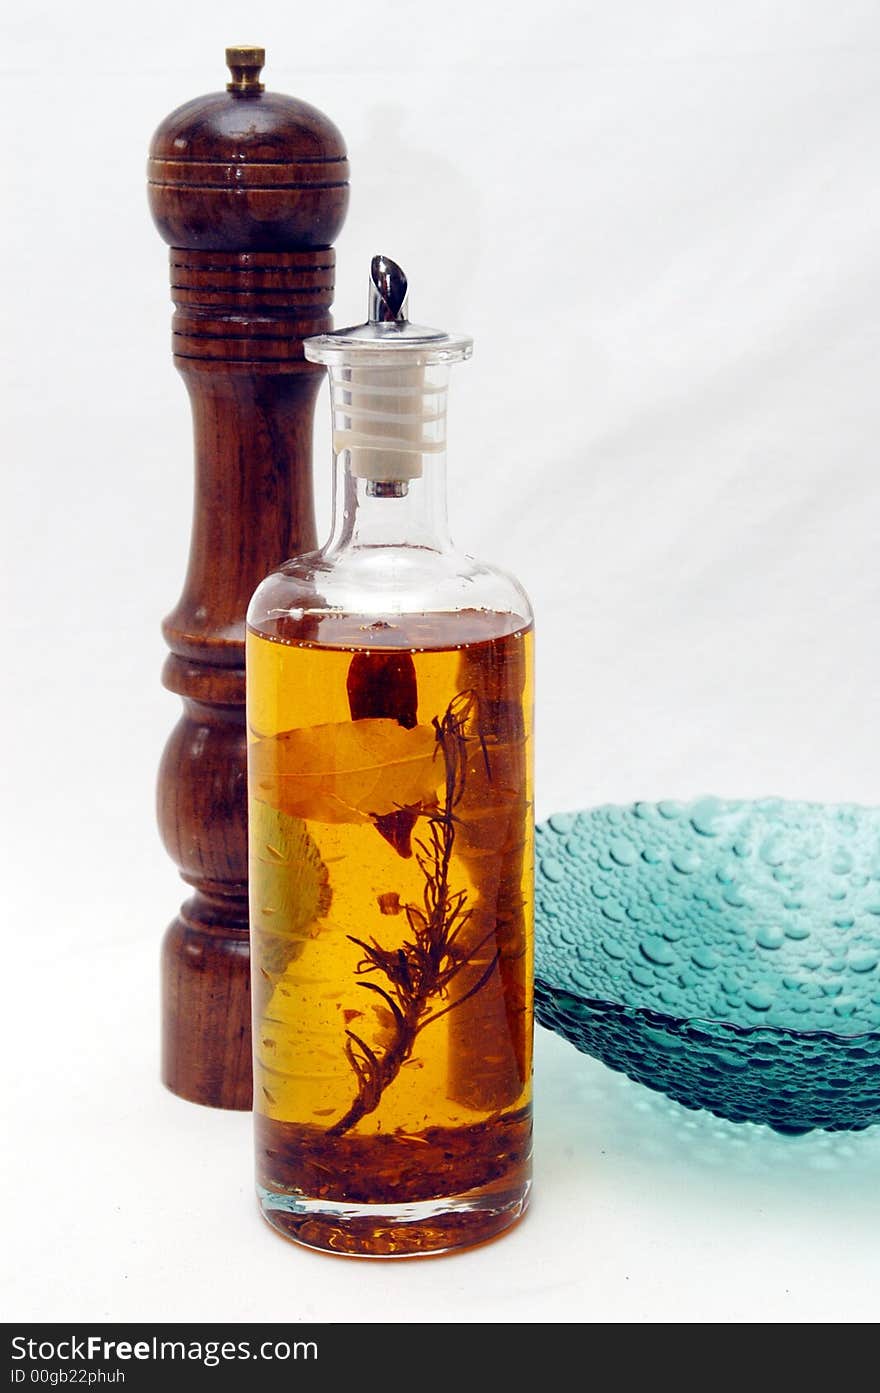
(422, 1229)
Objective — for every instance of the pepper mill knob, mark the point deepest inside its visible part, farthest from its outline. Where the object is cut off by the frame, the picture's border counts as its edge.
(245, 64)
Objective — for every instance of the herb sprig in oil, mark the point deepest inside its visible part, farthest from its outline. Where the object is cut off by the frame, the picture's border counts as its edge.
(419, 974)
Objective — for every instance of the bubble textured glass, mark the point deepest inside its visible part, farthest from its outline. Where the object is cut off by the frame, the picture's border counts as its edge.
(726, 953)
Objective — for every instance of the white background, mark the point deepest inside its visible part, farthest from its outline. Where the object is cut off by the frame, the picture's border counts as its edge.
(662, 224)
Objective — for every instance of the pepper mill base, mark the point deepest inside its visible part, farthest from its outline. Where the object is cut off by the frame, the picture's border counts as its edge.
(205, 986)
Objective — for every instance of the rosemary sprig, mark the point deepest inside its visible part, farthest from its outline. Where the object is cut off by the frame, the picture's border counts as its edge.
(418, 974)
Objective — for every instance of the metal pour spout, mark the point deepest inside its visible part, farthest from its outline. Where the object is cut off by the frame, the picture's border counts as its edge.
(389, 292)
(388, 304)
(388, 387)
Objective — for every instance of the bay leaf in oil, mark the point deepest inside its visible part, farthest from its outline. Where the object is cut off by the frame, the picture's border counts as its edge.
(350, 771)
(291, 893)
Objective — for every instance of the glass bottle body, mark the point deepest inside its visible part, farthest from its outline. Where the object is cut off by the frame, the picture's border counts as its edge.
(391, 835)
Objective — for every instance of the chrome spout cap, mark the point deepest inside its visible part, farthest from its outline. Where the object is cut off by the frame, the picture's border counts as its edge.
(389, 292)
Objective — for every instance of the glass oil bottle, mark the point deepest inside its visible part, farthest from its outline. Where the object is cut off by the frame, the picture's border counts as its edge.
(389, 693)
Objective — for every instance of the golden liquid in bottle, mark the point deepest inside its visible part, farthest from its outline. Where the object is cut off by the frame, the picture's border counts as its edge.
(391, 845)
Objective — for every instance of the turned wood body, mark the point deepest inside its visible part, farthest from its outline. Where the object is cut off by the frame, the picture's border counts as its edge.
(249, 188)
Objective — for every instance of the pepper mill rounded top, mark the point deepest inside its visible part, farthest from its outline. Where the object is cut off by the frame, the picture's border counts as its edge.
(247, 169)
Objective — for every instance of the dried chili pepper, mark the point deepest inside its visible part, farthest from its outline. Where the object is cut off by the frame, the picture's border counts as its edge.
(384, 685)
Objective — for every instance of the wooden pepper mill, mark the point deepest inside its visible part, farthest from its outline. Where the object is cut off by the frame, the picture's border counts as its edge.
(249, 188)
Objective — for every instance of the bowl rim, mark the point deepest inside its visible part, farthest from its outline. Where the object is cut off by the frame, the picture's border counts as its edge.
(653, 1016)
(656, 1018)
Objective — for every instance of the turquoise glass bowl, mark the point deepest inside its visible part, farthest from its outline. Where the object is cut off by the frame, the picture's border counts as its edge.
(726, 953)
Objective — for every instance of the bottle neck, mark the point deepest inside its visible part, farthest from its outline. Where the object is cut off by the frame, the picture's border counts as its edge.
(409, 513)
(389, 450)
